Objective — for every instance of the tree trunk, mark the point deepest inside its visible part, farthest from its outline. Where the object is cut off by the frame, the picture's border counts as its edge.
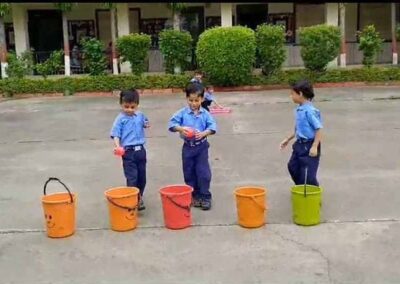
(113, 42)
(67, 67)
(3, 49)
(176, 20)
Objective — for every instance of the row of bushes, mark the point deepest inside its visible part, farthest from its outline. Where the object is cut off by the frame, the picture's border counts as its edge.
(109, 83)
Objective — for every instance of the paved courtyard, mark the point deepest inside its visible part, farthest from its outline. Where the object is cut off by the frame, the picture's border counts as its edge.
(358, 242)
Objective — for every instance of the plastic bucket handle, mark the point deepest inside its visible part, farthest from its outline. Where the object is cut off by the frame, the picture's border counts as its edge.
(122, 207)
(56, 179)
(186, 208)
(263, 207)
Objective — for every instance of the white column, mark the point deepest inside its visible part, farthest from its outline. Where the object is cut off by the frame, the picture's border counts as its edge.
(226, 14)
(332, 18)
(20, 21)
(342, 24)
(123, 29)
(394, 36)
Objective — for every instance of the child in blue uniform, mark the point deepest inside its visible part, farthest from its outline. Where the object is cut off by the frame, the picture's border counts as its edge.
(209, 98)
(196, 168)
(307, 148)
(128, 132)
(198, 77)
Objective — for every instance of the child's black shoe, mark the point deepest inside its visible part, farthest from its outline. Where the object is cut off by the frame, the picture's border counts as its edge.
(196, 202)
(206, 204)
(141, 205)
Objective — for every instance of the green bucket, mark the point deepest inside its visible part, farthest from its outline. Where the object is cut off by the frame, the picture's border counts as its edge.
(306, 202)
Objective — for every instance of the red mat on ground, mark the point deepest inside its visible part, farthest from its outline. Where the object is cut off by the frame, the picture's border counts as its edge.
(217, 110)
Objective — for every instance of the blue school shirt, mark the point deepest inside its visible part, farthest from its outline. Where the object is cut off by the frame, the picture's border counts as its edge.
(208, 96)
(194, 80)
(186, 117)
(129, 129)
(308, 121)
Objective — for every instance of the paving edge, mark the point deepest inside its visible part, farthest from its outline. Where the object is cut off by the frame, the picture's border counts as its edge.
(170, 91)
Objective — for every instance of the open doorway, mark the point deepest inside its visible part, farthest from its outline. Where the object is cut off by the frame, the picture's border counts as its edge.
(252, 15)
(45, 32)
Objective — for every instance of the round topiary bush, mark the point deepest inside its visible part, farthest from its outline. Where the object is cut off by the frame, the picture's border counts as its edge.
(134, 48)
(370, 44)
(227, 55)
(271, 47)
(176, 47)
(320, 44)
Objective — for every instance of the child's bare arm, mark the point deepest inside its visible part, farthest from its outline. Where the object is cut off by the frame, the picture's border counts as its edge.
(286, 141)
(117, 142)
(317, 140)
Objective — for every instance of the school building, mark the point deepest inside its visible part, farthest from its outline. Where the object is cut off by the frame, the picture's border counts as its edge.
(38, 26)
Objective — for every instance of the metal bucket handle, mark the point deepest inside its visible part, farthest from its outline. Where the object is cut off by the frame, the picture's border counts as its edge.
(56, 179)
(305, 182)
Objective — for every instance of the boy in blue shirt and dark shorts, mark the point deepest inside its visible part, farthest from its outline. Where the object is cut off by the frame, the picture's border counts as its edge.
(307, 148)
(128, 133)
(196, 168)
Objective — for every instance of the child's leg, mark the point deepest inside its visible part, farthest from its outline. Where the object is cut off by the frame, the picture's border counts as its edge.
(130, 168)
(188, 166)
(311, 163)
(203, 171)
(141, 166)
(294, 165)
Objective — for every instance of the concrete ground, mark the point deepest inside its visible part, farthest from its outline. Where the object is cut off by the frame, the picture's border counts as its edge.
(359, 241)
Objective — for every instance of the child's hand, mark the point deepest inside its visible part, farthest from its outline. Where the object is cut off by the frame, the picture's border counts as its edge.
(313, 151)
(186, 131)
(146, 123)
(200, 135)
(119, 151)
(283, 144)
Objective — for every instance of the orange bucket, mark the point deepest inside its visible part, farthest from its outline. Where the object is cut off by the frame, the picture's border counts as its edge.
(123, 208)
(250, 203)
(176, 200)
(59, 211)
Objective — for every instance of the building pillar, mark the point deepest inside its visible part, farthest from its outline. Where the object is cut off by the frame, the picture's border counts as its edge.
(20, 22)
(342, 24)
(3, 50)
(394, 35)
(226, 14)
(123, 29)
(332, 18)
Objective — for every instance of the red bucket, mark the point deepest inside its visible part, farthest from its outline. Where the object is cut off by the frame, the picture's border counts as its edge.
(176, 200)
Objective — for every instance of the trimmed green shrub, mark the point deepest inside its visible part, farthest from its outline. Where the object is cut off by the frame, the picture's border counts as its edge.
(71, 85)
(134, 49)
(95, 61)
(270, 41)
(176, 47)
(91, 84)
(227, 55)
(370, 44)
(19, 66)
(52, 65)
(320, 45)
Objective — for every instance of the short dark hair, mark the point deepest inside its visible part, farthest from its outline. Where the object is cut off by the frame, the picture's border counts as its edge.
(209, 87)
(198, 72)
(305, 87)
(129, 96)
(194, 88)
